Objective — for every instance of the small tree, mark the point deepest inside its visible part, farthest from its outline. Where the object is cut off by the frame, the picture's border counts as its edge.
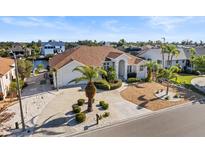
(192, 55)
(24, 68)
(169, 74)
(199, 63)
(111, 74)
(152, 67)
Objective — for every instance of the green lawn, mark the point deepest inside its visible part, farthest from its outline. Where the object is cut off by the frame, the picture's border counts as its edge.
(184, 78)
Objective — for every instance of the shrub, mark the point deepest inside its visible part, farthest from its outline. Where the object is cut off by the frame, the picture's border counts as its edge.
(106, 114)
(105, 106)
(131, 75)
(133, 80)
(101, 103)
(102, 84)
(80, 117)
(176, 96)
(116, 84)
(100, 117)
(76, 108)
(81, 102)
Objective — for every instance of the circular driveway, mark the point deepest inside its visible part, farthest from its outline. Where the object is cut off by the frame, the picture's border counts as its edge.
(199, 83)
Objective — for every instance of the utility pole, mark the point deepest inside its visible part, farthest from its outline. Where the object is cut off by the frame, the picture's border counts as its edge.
(19, 92)
(163, 38)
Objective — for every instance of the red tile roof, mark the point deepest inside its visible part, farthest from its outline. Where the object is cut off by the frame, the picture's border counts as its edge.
(5, 65)
(89, 55)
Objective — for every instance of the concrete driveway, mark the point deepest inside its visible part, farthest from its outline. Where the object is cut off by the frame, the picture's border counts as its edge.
(57, 118)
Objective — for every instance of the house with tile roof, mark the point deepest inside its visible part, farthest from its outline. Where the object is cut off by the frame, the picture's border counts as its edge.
(7, 73)
(97, 56)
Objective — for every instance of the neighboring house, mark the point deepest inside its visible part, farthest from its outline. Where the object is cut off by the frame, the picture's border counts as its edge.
(101, 56)
(7, 73)
(20, 50)
(156, 55)
(183, 59)
(52, 47)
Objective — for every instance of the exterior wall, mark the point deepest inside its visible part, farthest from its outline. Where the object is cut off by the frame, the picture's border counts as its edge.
(181, 63)
(51, 51)
(5, 81)
(66, 74)
(140, 74)
(117, 60)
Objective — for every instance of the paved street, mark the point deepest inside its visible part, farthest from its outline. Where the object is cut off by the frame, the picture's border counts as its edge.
(184, 121)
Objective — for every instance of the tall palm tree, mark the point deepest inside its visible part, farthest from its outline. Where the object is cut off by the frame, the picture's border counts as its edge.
(163, 48)
(89, 74)
(152, 66)
(192, 55)
(172, 51)
(169, 74)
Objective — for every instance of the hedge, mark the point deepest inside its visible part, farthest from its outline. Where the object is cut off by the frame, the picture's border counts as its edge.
(132, 80)
(116, 84)
(104, 85)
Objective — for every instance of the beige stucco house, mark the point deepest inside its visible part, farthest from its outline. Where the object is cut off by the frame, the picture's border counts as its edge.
(7, 73)
(98, 56)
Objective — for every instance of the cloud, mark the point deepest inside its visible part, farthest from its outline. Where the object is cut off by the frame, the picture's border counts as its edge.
(167, 23)
(111, 25)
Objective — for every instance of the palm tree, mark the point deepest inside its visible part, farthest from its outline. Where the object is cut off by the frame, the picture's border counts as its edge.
(163, 48)
(152, 66)
(192, 55)
(172, 51)
(89, 73)
(169, 74)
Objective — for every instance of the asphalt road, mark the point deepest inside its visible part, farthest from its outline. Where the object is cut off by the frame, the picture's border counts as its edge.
(187, 121)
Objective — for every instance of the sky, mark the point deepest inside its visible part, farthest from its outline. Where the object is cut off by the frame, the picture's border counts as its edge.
(101, 28)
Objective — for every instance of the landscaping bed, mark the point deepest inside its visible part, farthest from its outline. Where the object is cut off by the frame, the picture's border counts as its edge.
(143, 94)
(104, 85)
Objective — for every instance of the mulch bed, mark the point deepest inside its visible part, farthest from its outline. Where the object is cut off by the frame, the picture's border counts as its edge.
(142, 94)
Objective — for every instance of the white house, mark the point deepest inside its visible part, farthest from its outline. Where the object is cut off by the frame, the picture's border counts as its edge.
(155, 54)
(7, 73)
(101, 56)
(52, 47)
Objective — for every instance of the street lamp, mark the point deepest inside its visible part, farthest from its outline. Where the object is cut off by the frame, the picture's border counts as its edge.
(19, 91)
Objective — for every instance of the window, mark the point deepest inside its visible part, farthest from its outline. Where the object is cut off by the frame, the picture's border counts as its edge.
(141, 67)
(177, 61)
(183, 61)
(106, 65)
(6, 76)
(159, 61)
(129, 69)
(168, 63)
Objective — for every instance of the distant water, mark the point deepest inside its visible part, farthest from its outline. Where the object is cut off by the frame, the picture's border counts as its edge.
(40, 61)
